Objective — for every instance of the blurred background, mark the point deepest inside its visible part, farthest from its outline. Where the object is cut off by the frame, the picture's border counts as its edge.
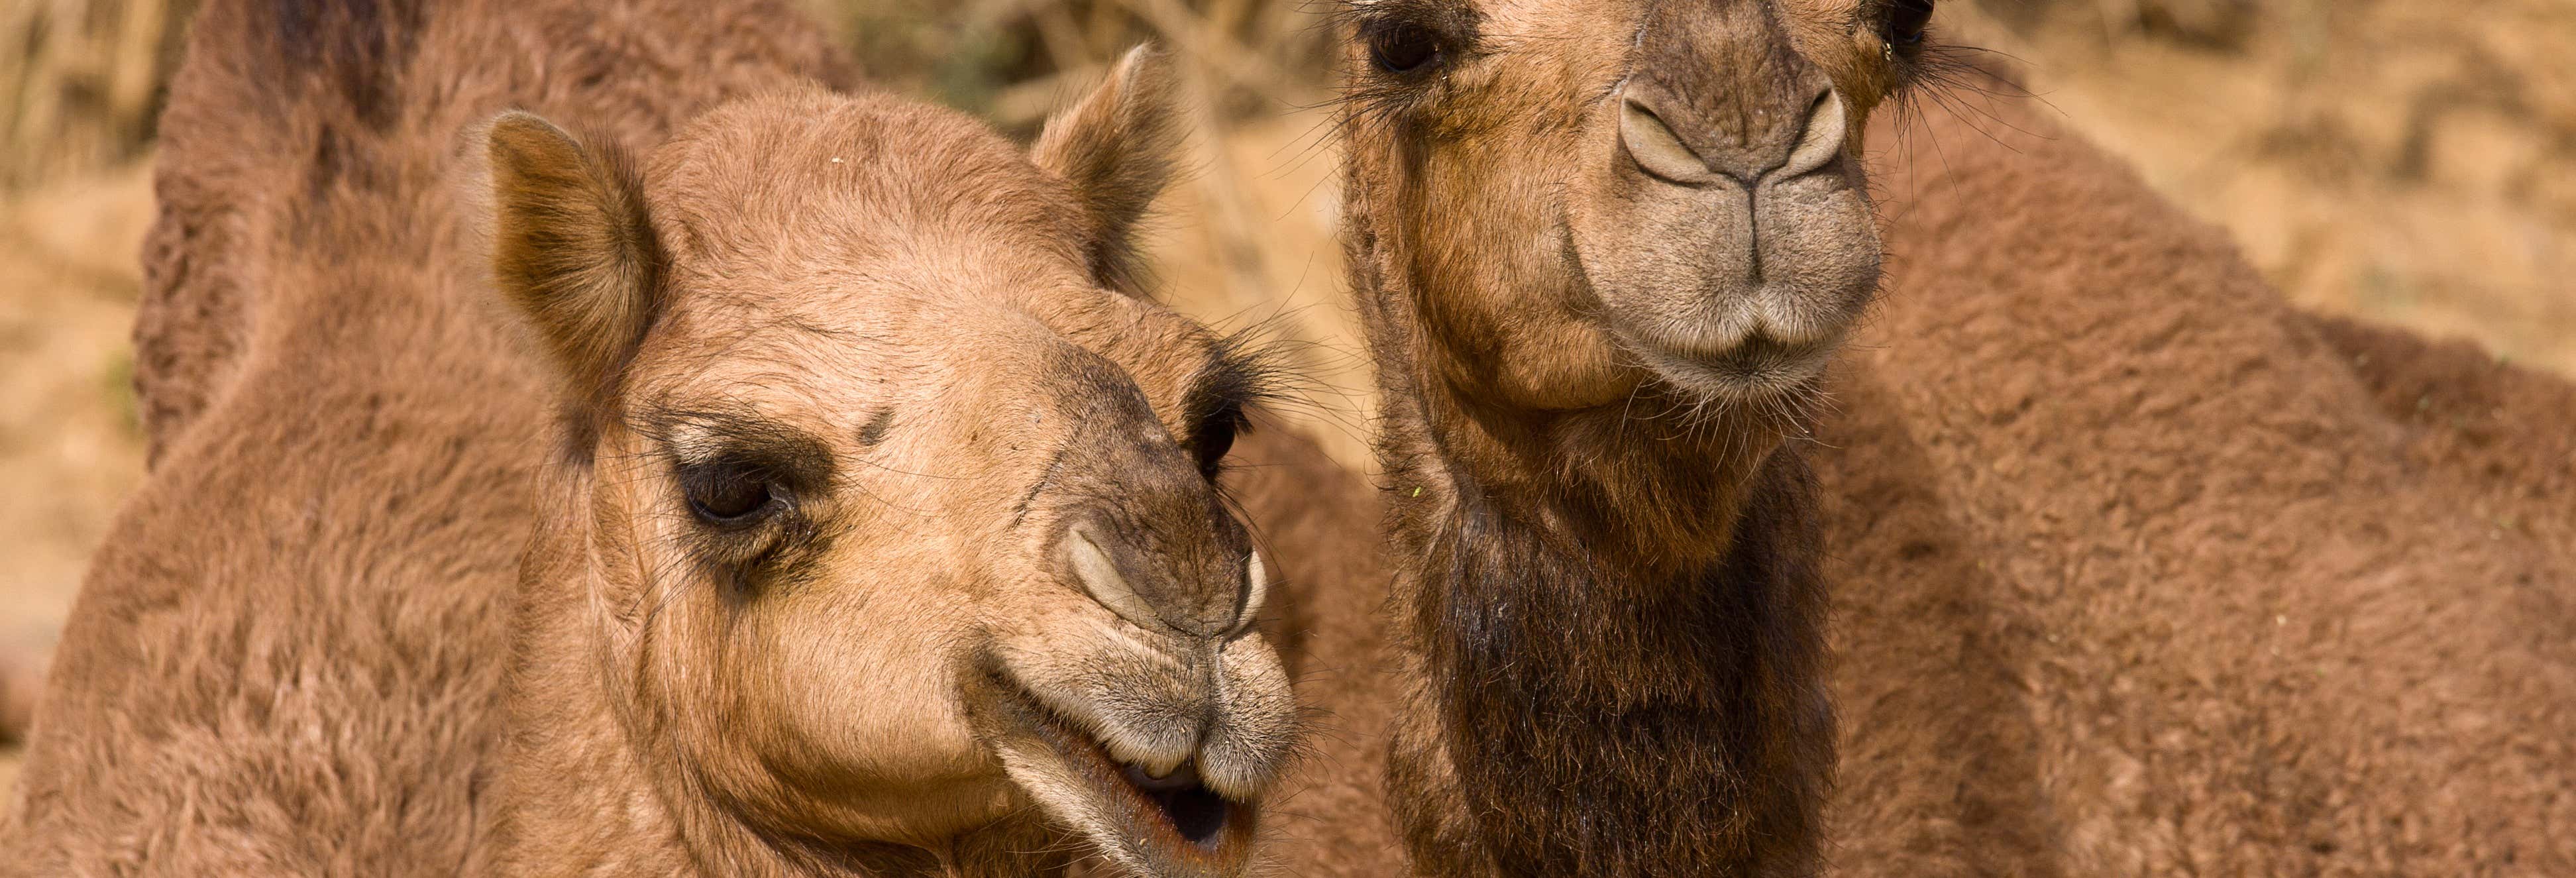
(2407, 161)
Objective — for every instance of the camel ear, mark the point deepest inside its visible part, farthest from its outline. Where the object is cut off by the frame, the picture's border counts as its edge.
(572, 247)
(1118, 148)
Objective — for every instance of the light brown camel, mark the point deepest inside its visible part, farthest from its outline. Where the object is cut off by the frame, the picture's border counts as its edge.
(873, 529)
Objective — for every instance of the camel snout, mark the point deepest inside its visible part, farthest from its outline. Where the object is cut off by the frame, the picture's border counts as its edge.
(1671, 142)
(1720, 225)
(1120, 573)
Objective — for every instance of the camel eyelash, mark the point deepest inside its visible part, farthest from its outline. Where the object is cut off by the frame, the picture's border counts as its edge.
(749, 554)
(1904, 24)
(1243, 371)
(733, 491)
(1939, 72)
(1409, 40)
(1215, 408)
(743, 486)
(698, 438)
(1360, 15)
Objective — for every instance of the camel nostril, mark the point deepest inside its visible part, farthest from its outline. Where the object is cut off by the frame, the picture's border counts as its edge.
(1145, 588)
(1693, 145)
(1100, 577)
(1654, 146)
(1256, 588)
(1828, 123)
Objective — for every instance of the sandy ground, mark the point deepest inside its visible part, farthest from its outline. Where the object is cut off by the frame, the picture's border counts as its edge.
(2406, 161)
(2393, 159)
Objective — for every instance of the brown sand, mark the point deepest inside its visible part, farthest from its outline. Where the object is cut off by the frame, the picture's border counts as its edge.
(68, 449)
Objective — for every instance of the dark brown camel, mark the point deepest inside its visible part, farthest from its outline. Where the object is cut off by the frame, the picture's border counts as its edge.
(872, 527)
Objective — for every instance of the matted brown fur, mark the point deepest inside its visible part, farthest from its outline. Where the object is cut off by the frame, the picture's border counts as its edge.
(342, 443)
(289, 658)
(328, 138)
(1602, 251)
(2142, 572)
(2138, 570)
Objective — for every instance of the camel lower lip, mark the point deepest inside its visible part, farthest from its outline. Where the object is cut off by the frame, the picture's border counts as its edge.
(1177, 817)
(1757, 367)
(1193, 810)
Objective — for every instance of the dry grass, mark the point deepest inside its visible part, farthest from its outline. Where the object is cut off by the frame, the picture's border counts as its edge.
(2409, 162)
(83, 86)
(1013, 60)
(2406, 161)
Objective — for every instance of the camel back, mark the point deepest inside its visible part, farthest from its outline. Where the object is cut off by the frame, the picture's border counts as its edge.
(2143, 571)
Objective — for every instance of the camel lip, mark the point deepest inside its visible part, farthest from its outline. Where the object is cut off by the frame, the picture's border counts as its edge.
(1753, 368)
(1183, 777)
(1174, 824)
(1198, 814)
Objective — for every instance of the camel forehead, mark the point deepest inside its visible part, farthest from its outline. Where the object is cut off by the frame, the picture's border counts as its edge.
(934, 301)
(810, 221)
(835, 360)
(833, 344)
(791, 136)
(1595, 36)
(841, 385)
(823, 177)
(1625, 14)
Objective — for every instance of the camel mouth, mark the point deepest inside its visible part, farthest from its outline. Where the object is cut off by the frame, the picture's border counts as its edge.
(1753, 369)
(1197, 813)
(1166, 823)
(1726, 349)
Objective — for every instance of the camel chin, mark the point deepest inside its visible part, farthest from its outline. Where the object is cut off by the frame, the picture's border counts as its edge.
(1755, 372)
(1152, 795)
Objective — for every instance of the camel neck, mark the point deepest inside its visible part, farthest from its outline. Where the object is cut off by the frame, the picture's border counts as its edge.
(1618, 628)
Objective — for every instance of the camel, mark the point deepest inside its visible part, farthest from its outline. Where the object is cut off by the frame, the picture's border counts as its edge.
(2265, 593)
(767, 479)
(1983, 738)
(2142, 571)
(1602, 257)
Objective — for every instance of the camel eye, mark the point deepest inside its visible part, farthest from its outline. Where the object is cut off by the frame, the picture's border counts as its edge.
(1215, 437)
(728, 493)
(1906, 20)
(1402, 48)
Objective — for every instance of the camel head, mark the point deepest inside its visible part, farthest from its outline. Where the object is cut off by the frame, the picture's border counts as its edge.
(896, 521)
(1590, 198)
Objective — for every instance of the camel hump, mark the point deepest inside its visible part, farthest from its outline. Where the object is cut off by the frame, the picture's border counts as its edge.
(345, 53)
(351, 48)
(304, 131)
(275, 99)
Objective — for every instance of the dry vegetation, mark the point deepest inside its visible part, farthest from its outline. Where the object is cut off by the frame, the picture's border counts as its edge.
(2405, 161)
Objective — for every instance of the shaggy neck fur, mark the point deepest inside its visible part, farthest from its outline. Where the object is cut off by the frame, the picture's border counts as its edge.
(1614, 622)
